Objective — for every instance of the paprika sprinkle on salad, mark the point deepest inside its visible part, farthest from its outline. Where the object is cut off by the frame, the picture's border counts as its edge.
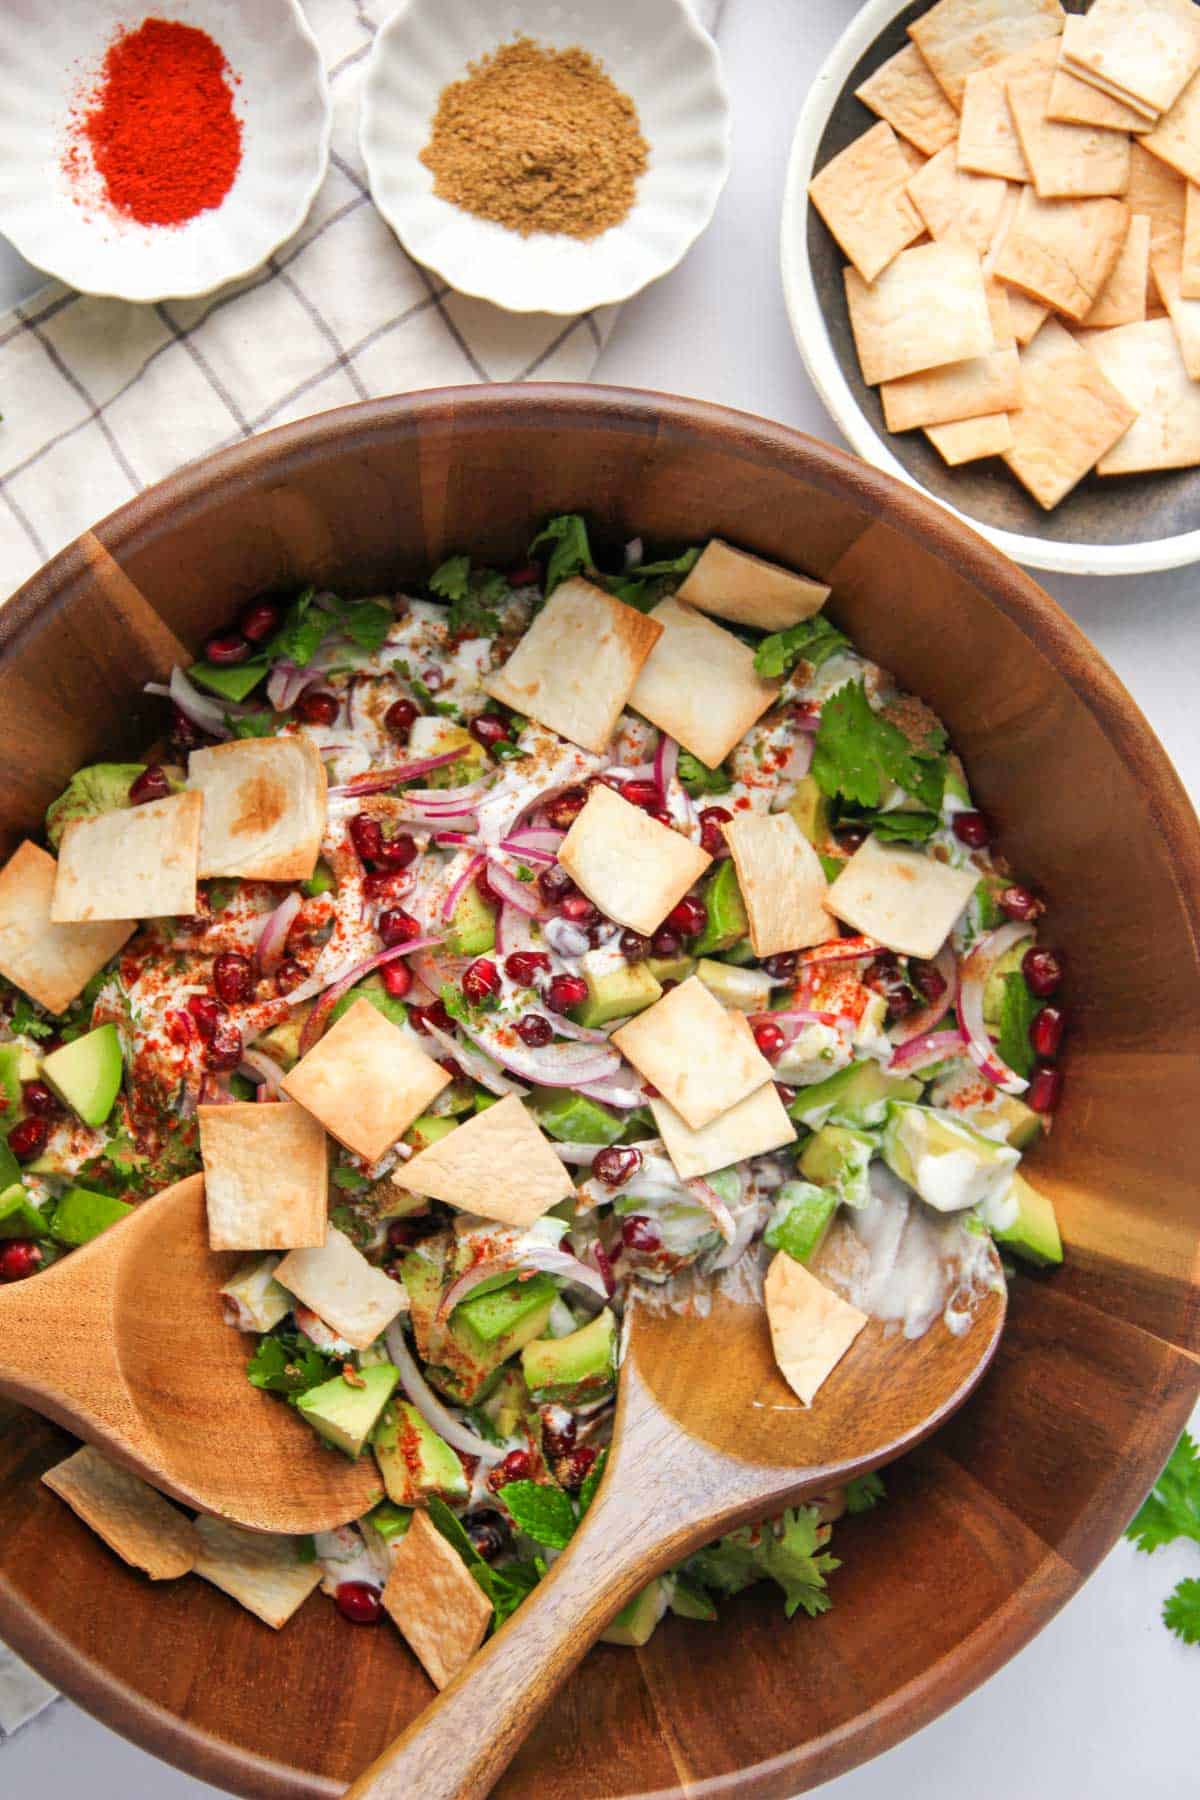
(159, 126)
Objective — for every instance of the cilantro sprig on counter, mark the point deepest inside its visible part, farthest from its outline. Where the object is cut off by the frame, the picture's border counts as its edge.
(1172, 1511)
(857, 753)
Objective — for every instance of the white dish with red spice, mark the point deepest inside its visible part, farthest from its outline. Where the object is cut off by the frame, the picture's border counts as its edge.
(656, 53)
(55, 204)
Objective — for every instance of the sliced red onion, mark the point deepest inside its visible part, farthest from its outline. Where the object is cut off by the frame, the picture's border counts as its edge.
(521, 894)
(713, 1204)
(594, 1254)
(479, 1067)
(455, 840)
(314, 1025)
(199, 709)
(274, 934)
(549, 1259)
(922, 1023)
(213, 1092)
(286, 683)
(739, 1243)
(634, 551)
(799, 761)
(532, 839)
(629, 772)
(430, 1407)
(379, 780)
(974, 978)
(567, 939)
(613, 1093)
(526, 854)
(839, 950)
(460, 799)
(567, 1028)
(257, 1062)
(557, 1065)
(474, 1277)
(514, 931)
(921, 1052)
(473, 866)
(666, 761)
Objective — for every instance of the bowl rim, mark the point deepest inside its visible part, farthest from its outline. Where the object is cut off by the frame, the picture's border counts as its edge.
(1050, 633)
(294, 220)
(824, 371)
(478, 289)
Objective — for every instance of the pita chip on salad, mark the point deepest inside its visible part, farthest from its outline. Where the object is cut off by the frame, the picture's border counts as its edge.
(902, 899)
(264, 807)
(811, 1327)
(699, 684)
(440, 1608)
(782, 883)
(259, 1569)
(140, 862)
(366, 1081)
(732, 584)
(701, 1058)
(131, 1517)
(356, 1300)
(51, 963)
(498, 1165)
(751, 1128)
(266, 1176)
(631, 866)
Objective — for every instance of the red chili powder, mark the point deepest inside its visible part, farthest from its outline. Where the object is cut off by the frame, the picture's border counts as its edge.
(160, 124)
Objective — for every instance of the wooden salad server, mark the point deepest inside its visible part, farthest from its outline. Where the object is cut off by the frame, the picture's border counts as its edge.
(707, 1437)
(124, 1343)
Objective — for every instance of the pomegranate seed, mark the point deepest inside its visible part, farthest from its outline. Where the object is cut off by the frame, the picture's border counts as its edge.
(1043, 971)
(770, 1038)
(359, 1602)
(640, 1233)
(1020, 903)
(397, 927)
(517, 1466)
(183, 732)
(486, 891)
(526, 965)
(401, 1233)
(565, 808)
(712, 838)
(151, 784)
(396, 853)
(574, 1470)
(39, 1100)
(433, 1014)
(850, 841)
(579, 909)
(634, 947)
(227, 648)
(1046, 1032)
(433, 679)
(488, 729)
(207, 1013)
(566, 991)
(534, 1031)
(397, 979)
(616, 1165)
(289, 975)
(19, 1257)
(481, 980)
(973, 830)
(927, 980)
(786, 1094)
(690, 916)
(27, 1138)
(641, 793)
(782, 966)
(258, 620)
(366, 834)
(1045, 1090)
(487, 1534)
(232, 977)
(225, 1049)
(380, 884)
(666, 942)
(558, 1432)
(400, 717)
(316, 707)
(662, 815)
(453, 1069)
(526, 574)
(554, 884)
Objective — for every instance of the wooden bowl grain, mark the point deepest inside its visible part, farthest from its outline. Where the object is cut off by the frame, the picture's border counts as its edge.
(992, 1525)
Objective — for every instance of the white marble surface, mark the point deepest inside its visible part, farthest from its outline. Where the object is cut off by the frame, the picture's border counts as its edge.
(1103, 1702)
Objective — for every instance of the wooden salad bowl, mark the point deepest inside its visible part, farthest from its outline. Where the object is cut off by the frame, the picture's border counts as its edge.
(992, 1524)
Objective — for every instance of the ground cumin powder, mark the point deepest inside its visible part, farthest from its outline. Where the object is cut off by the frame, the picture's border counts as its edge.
(538, 140)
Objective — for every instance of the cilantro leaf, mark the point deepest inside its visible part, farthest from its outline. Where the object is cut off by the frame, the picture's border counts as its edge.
(591, 1482)
(1018, 1010)
(812, 641)
(281, 1367)
(864, 1492)
(26, 1022)
(473, 596)
(299, 637)
(350, 1180)
(1181, 1613)
(542, 1513)
(857, 753)
(365, 622)
(451, 580)
(784, 1551)
(900, 826)
(699, 779)
(645, 584)
(570, 551)
(455, 1004)
(1172, 1509)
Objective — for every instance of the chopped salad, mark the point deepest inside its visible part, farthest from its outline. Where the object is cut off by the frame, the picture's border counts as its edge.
(499, 949)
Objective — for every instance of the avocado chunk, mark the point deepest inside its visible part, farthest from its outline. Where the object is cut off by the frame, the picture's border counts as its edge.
(727, 918)
(950, 1165)
(636, 1623)
(744, 990)
(993, 993)
(82, 1214)
(1030, 1230)
(739, 954)
(810, 809)
(613, 992)
(485, 1330)
(472, 929)
(573, 1118)
(389, 1521)
(423, 1272)
(321, 881)
(252, 1298)
(800, 1218)
(345, 1413)
(86, 1074)
(857, 1095)
(100, 788)
(838, 1157)
(10, 1085)
(282, 1042)
(671, 968)
(19, 1217)
(576, 1369)
(416, 1464)
(371, 989)
(432, 735)
(508, 1405)
(427, 1130)
(1022, 1126)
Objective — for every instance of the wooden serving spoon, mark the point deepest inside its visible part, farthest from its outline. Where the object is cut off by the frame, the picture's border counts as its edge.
(124, 1343)
(707, 1437)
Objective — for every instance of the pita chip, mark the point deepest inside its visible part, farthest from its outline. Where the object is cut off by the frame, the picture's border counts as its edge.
(1070, 415)
(497, 1165)
(51, 963)
(1025, 316)
(1160, 193)
(903, 91)
(751, 1128)
(905, 900)
(860, 195)
(264, 807)
(1175, 140)
(701, 1058)
(631, 866)
(955, 205)
(811, 1327)
(1184, 314)
(732, 584)
(266, 1176)
(987, 137)
(139, 863)
(1189, 268)
(131, 1517)
(440, 1609)
(258, 1569)
(782, 884)
(1147, 49)
(1062, 251)
(366, 1081)
(580, 695)
(1077, 102)
(1122, 299)
(1146, 364)
(356, 1300)
(699, 683)
(981, 385)
(968, 440)
(1069, 162)
(959, 37)
(928, 308)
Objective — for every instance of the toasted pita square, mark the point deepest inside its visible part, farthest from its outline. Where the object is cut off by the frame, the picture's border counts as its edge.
(131, 1517)
(366, 1081)
(138, 863)
(967, 440)
(259, 1569)
(928, 308)
(1077, 102)
(1025, 315)
(356, 1300)
(51, 963)
(1122, 299)
(550, 679)
(903, 91)
(1147, 49)
(732, 584)
(860, 195)
(701, 1058)
(958, 37)
(497, 1165)
(905, 900)
(987, 137)
(699, 683)
(751, 1128)
(628, 864)
(1062, 251)
(1146, 364)
(1175, 140)
(1070, 415)
(1161, 193)
(440, 1608)
(266, 1176)
(264, 807)
(811, 1327)
(1069, 162)
(955, 205)
(782, 884)
(1184, 314)
(1189, 268)
(971, 389)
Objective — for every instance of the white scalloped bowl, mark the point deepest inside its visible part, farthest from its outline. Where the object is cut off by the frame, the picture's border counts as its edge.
(654, 50)
(51, 51)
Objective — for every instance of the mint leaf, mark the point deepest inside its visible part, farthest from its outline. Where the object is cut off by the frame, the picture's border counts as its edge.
(864, 1492)
(813, 641)
(857, 753)
(452, 1530)
(544, 1514)
(699, 779)
(1018, 1010)
(645, 584)
(511, 1582)
(1172, 1509)
(1181, 1613)
(473, 596)
(570, 551)
(591, 1482)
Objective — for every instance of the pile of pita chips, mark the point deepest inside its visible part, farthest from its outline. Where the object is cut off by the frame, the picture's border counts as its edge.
(1060, 174)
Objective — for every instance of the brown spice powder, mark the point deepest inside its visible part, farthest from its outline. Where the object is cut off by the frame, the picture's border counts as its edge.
(538, 140)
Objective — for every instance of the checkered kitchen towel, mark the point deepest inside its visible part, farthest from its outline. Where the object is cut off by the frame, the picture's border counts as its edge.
(102, 397)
